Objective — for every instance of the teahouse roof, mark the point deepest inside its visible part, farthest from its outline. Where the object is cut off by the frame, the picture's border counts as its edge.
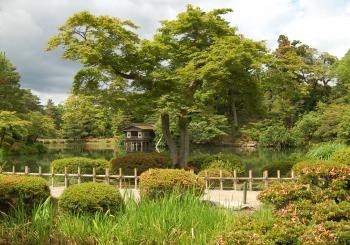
(142, 126)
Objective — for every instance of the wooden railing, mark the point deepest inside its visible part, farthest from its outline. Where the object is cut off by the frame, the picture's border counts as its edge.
(120, 179)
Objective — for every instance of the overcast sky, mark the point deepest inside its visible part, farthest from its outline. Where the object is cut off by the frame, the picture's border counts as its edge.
(26, 26)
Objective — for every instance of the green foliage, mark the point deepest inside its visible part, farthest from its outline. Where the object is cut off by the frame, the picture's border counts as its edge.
(224, 161)
(27, 189)
(141, 161)
(283, 166)
(90, 197)
(324, 151)
(307, 126)
(159, 182)
(341, 69)
(86, 165)
(215, 172)
(83, 117)
(204, 130)
(278, 136)
(342, 156)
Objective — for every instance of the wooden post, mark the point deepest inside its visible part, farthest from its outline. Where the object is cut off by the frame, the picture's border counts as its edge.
(107, 176)
(250, 180)
(13, 169)
(120, 179)
(52, 176)
(293, 177)
(26, 171)
(94, 175)
(40, 171)
(221, 181)
(65, 177)
(141, 146)
(266, 175)
(245, 192)
(278, 175)
(79, 176)
(135, 176)
(206, 180)
(235, 180)
(137, 144)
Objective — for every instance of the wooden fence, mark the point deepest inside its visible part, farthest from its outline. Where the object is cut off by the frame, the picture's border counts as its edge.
(120, 179)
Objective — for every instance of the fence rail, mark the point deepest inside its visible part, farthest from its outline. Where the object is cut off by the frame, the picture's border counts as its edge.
(120, 178)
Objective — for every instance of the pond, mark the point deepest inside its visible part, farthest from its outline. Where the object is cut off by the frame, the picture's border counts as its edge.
(253, 158)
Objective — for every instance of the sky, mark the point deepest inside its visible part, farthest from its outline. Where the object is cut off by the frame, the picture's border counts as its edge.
(27, 25)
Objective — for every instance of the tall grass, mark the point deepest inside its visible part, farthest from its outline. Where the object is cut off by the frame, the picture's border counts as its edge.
(324, 151)
(178, 219)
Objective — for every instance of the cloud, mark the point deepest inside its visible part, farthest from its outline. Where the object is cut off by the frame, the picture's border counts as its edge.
(26, 26)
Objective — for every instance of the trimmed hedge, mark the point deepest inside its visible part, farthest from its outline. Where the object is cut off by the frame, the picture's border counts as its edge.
(86, 165)
(225, 161)
(90, 197)
(342, 156)
(30, 189)
(159, 182)
(284, 168)
(141, 161)
(215, 172)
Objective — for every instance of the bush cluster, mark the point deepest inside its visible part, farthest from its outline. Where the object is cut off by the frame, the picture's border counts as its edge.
(342, 156)
(86, 165)
(159, 182)
(141, 161)
(314, 210)
(30, 190)
(90, 197)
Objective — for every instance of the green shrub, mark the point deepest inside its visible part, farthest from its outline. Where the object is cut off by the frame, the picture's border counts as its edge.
(141, 161)
(280, 194)
(90, 197)
(215, 172)
(284, 168)
(324, 151)
(29, 189)
(278, 136)
(342, 156)
(225, 161)
(160, 182)
(86, 165)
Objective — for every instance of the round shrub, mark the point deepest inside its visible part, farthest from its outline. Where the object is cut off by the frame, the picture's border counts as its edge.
(140, 161)
(342, 156)
(90, 197)
(159, 182)
(225, 161)
(86, 165)
(30, 189)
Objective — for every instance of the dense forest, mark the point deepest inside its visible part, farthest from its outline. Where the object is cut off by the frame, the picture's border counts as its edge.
(197, 79)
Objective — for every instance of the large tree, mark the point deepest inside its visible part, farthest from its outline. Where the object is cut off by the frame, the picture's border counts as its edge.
(176, 74)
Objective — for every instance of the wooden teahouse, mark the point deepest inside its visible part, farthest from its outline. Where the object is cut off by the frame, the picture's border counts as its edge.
(139, 137)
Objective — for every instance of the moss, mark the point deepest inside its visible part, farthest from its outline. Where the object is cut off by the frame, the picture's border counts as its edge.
(342, 156)
(90, 197)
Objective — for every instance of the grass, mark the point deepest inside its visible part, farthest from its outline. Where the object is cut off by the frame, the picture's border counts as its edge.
(324, 151)
(170, 220)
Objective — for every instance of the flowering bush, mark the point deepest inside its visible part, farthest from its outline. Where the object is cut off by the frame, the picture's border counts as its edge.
(281, 194)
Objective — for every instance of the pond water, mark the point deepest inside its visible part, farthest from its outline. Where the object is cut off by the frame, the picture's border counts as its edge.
(254, 159)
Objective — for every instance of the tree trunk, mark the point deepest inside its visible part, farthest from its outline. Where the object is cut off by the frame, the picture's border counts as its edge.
(184, 139)
(235, 117)
(168, 138)
(2, 137)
